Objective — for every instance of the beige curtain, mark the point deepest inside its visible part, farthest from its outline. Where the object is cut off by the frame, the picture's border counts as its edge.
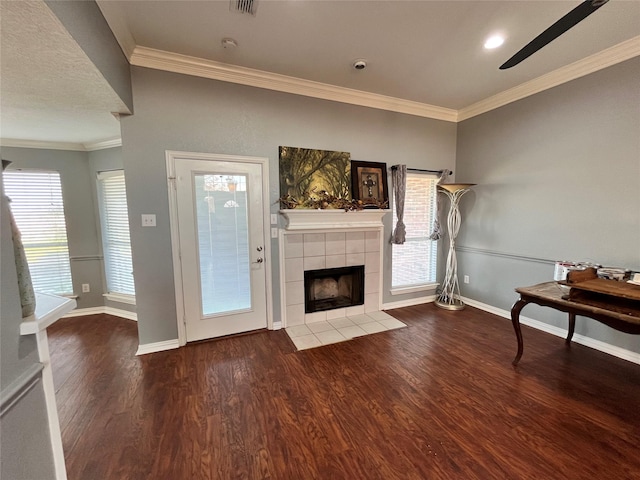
(399, 178)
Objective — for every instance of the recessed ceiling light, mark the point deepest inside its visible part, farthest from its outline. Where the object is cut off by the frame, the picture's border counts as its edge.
(493, 42)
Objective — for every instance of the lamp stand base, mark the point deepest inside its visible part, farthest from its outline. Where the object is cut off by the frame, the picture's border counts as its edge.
(456, 305)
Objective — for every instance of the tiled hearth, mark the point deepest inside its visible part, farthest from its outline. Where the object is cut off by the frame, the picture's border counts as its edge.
(339, 330)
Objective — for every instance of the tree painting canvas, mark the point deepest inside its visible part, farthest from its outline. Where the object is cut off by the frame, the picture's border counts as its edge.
(308, 172)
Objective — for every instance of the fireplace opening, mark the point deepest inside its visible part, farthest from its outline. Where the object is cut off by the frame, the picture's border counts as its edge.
(331, 288)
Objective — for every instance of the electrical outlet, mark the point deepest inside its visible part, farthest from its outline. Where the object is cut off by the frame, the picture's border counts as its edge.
(466, 279)
(148, 220)
(86, 288)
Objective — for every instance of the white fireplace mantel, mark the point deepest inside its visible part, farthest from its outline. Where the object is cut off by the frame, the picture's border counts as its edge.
(330, 219)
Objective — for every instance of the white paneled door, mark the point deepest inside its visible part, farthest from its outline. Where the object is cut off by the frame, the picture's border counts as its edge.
(219, 208)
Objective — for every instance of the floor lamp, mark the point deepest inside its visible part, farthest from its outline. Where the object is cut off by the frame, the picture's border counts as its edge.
(449, 297)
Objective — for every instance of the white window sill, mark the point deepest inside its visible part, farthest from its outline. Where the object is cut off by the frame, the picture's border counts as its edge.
(414, 288)
(120, 298)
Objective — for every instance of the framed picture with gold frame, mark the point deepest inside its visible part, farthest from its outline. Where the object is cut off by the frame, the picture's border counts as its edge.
(369, 183)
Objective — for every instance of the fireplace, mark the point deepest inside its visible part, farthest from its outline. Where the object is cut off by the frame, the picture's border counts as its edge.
(330, 288)
(319, 239)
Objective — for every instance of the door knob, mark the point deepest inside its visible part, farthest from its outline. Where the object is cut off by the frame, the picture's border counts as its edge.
(260, 260)
(259, 249)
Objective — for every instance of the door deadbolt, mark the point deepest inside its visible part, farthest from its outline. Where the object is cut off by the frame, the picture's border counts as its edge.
(259, 249)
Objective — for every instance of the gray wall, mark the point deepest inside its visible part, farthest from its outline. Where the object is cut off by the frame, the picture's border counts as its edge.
(24, 425)
(558, 177)
(177, 112)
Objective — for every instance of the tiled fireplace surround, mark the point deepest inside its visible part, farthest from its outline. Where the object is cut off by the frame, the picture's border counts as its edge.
(330, 241)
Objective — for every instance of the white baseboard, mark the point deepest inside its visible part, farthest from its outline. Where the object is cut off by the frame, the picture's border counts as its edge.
(121, 313)
(81, 312)
(619, 352)
(409, 303)
(116, 312)
(277, 325)
(146, 348)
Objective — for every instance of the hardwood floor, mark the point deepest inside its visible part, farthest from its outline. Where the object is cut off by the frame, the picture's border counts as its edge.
(436, 400)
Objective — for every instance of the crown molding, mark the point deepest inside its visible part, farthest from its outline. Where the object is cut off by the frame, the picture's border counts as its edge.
(598, 61)
(177, 63)
(114, 142)
(11, 142)
(76, 147)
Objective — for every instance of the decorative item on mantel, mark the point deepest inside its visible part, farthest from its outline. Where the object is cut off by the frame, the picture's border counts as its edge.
(323, 200)
(321, 179)
(369, 184)
(449, 297)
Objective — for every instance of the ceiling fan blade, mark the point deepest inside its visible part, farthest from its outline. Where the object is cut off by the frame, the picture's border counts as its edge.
(572, 18)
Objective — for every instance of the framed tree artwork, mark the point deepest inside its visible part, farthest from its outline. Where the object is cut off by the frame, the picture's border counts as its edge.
(306, 172)
(369, 183)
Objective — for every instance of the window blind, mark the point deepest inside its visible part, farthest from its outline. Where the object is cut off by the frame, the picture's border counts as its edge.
(37, 206)
(116, 242)
(414, 262)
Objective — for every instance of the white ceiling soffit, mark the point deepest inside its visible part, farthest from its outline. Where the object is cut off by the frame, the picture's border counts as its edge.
(47, 81)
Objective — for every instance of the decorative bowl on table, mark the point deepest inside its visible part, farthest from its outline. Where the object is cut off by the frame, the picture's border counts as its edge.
(613, 273)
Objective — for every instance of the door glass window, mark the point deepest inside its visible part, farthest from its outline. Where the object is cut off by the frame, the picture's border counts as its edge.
(223, 243)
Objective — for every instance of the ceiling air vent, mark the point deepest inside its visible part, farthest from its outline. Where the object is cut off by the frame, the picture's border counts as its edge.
(244, 6)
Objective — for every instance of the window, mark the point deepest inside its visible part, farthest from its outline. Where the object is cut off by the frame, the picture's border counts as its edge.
(414, 263)
(37, 206)
(116, 242)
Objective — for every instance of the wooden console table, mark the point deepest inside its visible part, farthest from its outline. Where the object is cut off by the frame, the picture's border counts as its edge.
(616, 304)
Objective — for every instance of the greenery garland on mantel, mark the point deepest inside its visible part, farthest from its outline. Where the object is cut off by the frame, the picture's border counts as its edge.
(323, 200)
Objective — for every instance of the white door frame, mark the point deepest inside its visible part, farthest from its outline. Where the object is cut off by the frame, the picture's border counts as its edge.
(171, 157)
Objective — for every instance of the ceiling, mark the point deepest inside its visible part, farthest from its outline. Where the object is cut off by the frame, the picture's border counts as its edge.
(50, 91)
(424, 52)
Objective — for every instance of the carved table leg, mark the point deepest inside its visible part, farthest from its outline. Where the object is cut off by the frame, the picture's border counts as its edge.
(572, 327)
(515, 319)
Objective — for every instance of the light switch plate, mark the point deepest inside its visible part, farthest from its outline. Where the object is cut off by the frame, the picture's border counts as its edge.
(274, 233)
(274, 219)
(148, 220)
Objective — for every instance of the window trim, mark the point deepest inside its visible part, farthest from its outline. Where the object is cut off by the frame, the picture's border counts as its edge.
(120, 298)
(416, 287)
(112, 295)
(422, 287)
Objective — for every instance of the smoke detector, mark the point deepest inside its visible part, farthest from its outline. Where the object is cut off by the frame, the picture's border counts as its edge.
(229, 43)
